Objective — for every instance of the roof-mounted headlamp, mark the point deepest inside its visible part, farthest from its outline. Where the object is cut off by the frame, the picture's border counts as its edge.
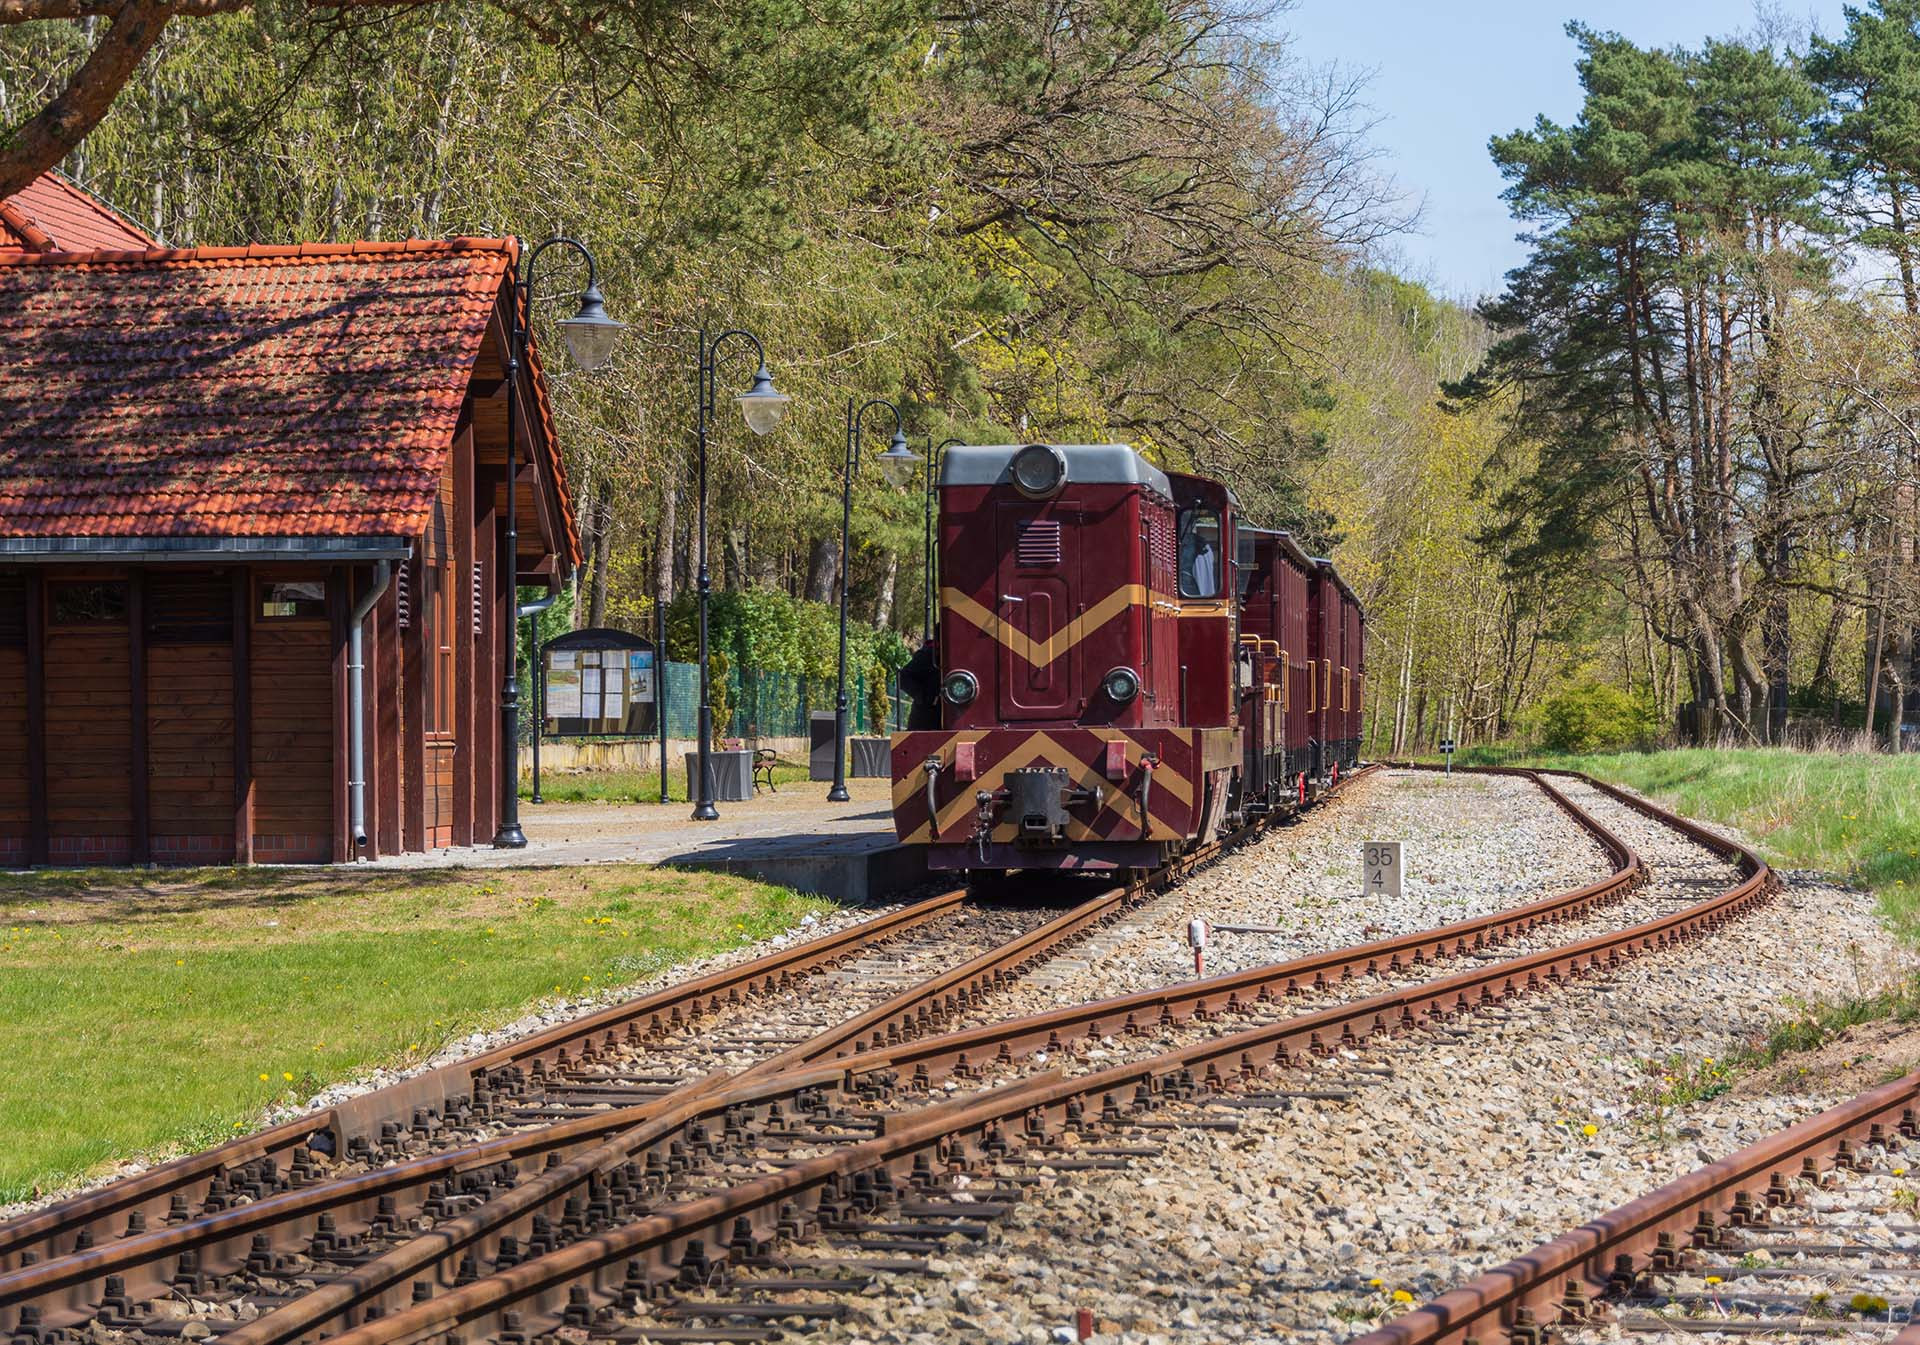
(1039, 470)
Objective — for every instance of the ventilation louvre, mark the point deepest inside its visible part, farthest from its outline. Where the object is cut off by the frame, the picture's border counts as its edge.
(189, 609)
(1039, 543)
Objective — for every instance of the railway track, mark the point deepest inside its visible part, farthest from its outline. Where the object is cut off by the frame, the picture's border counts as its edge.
(1810, 1232)
(692, 1188)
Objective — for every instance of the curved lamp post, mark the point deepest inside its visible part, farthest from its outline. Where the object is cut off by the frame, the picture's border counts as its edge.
(926, 559)
(590, 335)
(898, 457)
(762, 405)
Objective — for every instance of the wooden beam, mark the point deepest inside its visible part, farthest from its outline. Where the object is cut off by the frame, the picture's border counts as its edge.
(243, 715)
(413, 816)
(385, 716)
(36, 719)
(463, 632)
(137, 764)
(339, 597)
(487, 800)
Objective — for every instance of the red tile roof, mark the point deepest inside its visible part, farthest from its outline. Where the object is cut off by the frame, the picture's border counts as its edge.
(307, 391)
(52, 214)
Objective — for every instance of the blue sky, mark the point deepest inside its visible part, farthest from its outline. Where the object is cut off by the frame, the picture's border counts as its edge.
(1446, 76)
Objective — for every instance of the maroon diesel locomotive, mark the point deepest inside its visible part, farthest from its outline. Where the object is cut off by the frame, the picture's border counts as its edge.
(1126, 667)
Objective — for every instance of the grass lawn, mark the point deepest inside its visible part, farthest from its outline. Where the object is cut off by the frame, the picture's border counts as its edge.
(617, 786)
(1852, 814)
(144, 1012)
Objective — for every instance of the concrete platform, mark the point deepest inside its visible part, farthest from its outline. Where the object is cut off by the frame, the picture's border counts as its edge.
(794, 838)
(847, 868)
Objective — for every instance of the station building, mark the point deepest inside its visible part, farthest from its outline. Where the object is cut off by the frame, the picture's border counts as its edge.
(215, 463)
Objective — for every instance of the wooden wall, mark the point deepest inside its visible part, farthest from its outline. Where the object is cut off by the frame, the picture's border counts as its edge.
(293, 740)
(189, 618)
(89, 700)
(189, 725)
(15, 815)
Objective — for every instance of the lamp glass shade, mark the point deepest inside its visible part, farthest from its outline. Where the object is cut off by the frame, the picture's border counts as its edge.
(590, 333)
(899, 461)
(762, 404)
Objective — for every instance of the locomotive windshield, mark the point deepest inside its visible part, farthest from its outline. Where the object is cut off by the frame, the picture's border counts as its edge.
(1199, 553)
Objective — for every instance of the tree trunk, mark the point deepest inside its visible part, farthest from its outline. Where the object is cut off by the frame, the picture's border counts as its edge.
(883, 604)
(822, 569)
(602, 552)
(663, 545)
(733, 556)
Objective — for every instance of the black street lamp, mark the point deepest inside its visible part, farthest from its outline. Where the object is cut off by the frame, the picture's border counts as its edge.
(590, 335)
(926, 559)
(762, 406)
(897, 457)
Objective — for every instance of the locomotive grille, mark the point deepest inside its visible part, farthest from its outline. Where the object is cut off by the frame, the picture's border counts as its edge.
(1039, 543)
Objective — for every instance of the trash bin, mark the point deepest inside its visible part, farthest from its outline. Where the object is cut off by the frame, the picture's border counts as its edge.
(730, 776)
(872, 758)
(820, 745)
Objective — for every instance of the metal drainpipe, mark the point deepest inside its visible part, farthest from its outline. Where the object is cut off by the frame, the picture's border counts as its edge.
(521, 613)
(356, 702)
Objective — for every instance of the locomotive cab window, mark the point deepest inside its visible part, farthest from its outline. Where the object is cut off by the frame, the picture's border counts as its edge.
(1199, 553)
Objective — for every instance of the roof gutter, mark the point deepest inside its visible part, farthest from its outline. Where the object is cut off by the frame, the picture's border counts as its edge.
(201, 550)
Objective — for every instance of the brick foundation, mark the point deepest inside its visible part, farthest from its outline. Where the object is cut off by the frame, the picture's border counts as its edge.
(215, 849)
(296, 848)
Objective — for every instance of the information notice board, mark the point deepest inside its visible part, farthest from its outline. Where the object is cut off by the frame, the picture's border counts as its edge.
(598, 683)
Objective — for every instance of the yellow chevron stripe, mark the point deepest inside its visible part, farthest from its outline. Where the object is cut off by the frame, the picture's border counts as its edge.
(1041, 747)
(1164, 776)
(1041, 653)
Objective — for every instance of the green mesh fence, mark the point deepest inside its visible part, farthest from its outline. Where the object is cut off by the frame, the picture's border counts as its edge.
(771, 704)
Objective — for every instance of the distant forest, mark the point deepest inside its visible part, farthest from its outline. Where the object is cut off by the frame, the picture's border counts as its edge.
(1676, 460)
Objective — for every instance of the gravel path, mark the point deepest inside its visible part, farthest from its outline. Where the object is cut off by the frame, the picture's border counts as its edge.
(1434, 1158)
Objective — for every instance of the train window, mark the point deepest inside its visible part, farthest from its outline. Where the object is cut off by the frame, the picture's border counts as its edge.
(1199, 553)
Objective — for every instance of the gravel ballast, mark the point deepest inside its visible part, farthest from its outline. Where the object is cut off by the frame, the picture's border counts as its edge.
(1450, 1154)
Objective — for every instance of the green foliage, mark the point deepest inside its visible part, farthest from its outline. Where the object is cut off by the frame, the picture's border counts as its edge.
(768, 631)
(1592, 716)
(720, 692)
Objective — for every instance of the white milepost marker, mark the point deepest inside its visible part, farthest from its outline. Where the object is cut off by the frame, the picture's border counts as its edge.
(1380, 869)
(1199, 935)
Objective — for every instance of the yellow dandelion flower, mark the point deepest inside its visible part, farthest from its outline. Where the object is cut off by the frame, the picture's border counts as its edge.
(287, 1074)
(1376, 1282)
(263, 1077)
(1589, 1130)
(1713, 1279)
(1402, 1296)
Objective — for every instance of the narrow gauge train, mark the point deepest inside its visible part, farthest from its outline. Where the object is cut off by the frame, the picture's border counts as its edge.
(1126, 668)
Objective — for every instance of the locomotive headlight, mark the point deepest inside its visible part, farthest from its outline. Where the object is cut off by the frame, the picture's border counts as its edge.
(961, 687)
(1121, 685)
(1039, 470)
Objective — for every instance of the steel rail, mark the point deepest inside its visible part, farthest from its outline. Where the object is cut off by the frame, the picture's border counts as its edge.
(216, 1239)
(955, 988)
(149, 1193)
(220, 1241)
(1557, 1282)
(1035, 1101)
(1233, 992)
